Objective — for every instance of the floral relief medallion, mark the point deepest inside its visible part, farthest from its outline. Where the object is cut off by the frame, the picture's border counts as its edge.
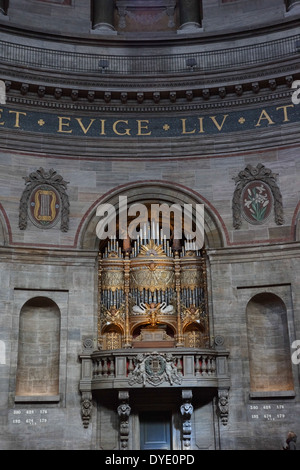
(257, 202)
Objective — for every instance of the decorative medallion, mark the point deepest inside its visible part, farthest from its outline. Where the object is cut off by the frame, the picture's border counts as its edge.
(257, 202)
(44, 206)
(256, 194)
(44, 200)
(154, 369)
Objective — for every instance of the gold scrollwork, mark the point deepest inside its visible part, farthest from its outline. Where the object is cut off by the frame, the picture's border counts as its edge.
(152, 279)
(190, 278)
(191, 314)
(112, 279)
(113, 315)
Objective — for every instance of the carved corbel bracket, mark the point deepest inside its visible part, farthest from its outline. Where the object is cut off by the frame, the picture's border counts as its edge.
(186, 411)
(223, 405)
(86, 376)
(86, 408)
(124, 413)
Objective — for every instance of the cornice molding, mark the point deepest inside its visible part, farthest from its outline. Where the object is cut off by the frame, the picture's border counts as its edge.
(183, 100)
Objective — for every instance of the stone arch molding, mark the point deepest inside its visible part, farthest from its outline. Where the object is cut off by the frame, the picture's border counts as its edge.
(4, 228)
(154, 192)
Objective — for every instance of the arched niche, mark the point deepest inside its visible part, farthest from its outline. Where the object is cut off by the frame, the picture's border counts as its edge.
(153, 193)
(38, 348)
(269, 344)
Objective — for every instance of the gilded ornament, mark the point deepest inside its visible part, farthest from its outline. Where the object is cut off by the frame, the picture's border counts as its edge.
(112, 279)
(152, 249)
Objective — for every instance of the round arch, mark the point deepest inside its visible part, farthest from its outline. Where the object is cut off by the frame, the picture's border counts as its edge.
(156, 192)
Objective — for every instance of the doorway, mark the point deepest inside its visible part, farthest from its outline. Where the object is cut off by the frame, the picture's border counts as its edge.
(155, 430)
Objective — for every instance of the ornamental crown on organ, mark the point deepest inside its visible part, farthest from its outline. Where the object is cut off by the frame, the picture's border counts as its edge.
(152, 293)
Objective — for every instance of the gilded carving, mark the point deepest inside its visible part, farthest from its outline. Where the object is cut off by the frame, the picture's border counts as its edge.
(152, 249)
(113, 315)
(193, 339)
(151, 277)
(113, 340)
(190, 278)
(191, 314)
(112, 279)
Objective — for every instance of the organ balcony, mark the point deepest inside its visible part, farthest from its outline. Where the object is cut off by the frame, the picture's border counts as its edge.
(164, 367)
(153, 322)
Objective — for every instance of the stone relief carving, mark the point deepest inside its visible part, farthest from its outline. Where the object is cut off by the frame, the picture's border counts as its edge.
(255, 193)
(154, 368)
(223, 405)
(44, 199)
(186, 411)
(86, 408)
(124, 412)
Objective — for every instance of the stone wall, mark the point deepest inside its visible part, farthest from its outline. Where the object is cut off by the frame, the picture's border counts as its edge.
(188, 136)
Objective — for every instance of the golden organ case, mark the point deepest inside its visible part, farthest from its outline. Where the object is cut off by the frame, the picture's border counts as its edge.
(152, 294)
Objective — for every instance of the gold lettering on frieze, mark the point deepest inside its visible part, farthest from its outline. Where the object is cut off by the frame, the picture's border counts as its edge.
(219, 126)
(126, 130)
(62, 124)
(264, 115)
(184, 131)
(141, 126)
(85, 129)
(192, 125)
(285, 114)
(201, 129)
(102, 126)
(18, 114)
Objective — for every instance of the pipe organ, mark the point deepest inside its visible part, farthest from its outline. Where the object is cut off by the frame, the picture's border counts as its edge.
(152, 294)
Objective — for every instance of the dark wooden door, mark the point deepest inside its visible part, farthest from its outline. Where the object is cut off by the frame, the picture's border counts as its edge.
(155, 430)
